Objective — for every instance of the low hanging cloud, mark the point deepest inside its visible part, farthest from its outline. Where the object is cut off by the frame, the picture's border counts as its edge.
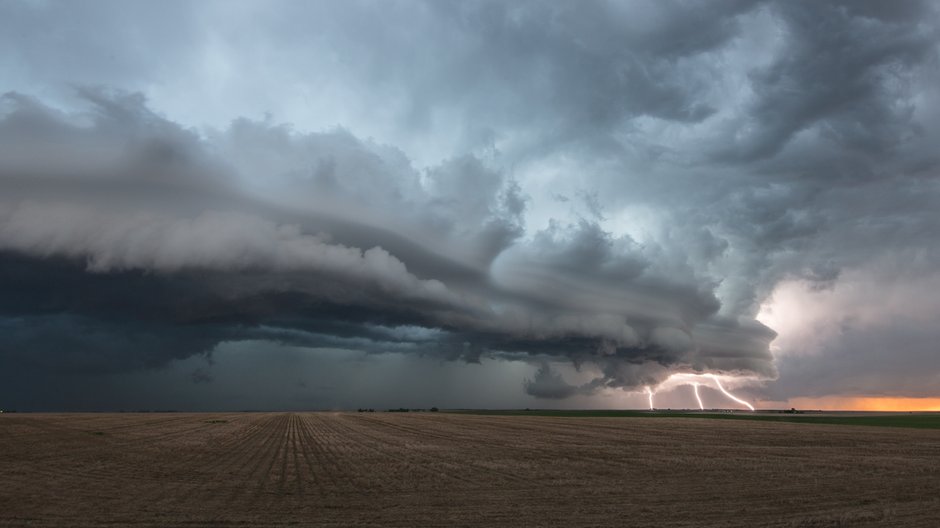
(161, 209)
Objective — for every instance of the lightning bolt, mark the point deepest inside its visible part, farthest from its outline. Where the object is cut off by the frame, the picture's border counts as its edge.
(650, 392)
(697, 397)
(728, 394)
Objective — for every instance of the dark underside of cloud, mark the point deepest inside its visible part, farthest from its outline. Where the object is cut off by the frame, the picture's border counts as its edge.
(151, 253)
(720, 151)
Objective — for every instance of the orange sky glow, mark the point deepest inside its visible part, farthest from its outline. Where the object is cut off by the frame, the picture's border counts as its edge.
(866, 403)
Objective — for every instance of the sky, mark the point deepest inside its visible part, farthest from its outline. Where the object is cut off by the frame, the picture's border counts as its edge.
(232, 205)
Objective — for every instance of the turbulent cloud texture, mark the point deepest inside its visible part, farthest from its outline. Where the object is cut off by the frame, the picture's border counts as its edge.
(619, 187)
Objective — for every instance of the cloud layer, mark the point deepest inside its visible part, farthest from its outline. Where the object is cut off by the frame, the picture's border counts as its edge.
(616, 187)
(343, 225)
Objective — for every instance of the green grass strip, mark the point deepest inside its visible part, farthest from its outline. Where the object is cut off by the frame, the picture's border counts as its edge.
(910, 420)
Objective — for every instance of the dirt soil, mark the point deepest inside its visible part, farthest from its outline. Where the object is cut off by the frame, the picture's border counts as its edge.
(437, 469)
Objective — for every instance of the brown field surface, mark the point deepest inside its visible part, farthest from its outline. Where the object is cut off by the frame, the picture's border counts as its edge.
(436, 469)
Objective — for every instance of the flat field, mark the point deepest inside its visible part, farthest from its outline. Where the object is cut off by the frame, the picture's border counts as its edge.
(436, 469)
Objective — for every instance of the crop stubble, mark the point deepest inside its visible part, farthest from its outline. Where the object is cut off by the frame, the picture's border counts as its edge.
(421, 469)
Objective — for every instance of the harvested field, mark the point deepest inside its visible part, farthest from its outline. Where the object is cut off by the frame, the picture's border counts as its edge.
(411, 469)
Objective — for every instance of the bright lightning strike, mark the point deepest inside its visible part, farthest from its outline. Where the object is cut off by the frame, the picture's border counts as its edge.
(697, 397)
(728, 394)
(650, 392)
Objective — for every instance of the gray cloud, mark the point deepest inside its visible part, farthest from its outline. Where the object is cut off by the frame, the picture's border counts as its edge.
(549, 384)
(619, 186)
(568, 291)
(843, 74)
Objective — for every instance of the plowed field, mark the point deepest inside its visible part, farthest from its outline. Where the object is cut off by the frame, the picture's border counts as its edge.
(436, 469)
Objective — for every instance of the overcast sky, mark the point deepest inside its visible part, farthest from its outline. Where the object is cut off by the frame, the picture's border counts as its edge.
(243, 205)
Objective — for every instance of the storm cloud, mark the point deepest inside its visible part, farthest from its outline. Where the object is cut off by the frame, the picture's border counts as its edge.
(625, 188)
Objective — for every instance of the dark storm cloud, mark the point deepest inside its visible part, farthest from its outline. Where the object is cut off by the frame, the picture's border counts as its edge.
(549, 384)
(616, 185)
(843, 73)
(565, 73)
(147, 236)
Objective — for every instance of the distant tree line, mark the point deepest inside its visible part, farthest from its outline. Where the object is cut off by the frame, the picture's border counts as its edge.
(403, 409)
